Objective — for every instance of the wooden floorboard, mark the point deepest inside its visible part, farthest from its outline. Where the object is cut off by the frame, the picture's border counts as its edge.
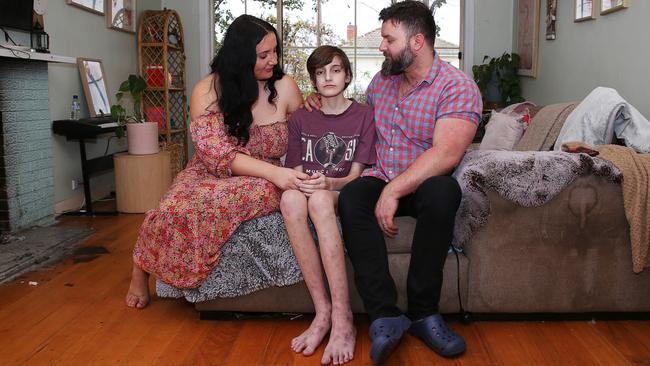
(75, 315)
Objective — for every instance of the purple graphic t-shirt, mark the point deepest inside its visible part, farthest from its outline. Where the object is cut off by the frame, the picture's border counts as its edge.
(329, 143)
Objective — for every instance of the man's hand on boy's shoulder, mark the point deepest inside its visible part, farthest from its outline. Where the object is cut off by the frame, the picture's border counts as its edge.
(312, 102)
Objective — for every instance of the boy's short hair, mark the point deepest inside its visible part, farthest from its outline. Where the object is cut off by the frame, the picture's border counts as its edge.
(322, 56)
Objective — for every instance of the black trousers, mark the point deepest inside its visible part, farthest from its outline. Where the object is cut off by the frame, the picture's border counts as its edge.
(434, 205)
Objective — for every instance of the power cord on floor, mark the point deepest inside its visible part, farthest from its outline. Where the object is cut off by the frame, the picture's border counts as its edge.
(465, 316)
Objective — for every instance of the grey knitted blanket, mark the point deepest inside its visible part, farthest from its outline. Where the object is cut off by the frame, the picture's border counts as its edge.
(259, 255)
(527, 178)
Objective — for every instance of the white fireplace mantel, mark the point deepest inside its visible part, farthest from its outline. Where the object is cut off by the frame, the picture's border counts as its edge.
(37, 56)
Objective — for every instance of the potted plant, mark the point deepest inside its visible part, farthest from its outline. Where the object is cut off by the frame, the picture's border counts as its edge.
(498, 81)
(141, 136)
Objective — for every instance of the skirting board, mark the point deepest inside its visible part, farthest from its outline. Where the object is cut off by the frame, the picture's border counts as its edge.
(98, 191)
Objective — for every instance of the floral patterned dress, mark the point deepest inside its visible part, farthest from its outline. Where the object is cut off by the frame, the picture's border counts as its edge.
(180, 242)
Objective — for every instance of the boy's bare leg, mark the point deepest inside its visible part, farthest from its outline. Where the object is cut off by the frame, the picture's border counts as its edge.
(138, 295)
(322, 210)
(294, 211)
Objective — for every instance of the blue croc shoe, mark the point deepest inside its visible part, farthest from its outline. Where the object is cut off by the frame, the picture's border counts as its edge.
(385, 334)
(433, 331)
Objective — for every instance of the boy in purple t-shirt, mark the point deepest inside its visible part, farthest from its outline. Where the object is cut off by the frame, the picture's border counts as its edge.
(333, 145)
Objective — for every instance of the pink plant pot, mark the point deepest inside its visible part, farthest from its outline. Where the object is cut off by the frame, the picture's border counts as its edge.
(142, 138)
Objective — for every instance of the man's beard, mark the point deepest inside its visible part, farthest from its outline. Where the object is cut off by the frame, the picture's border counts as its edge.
(397, 65)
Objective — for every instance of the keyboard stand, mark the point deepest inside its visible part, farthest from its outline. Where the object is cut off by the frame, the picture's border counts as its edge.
(88, 167)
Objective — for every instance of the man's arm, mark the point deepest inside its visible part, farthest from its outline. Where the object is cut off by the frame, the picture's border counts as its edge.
(451, 137)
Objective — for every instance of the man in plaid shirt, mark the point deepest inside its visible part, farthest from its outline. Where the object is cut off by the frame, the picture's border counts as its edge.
(426, 114)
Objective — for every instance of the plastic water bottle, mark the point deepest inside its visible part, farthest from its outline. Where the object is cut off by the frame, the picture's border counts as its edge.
(75, 108)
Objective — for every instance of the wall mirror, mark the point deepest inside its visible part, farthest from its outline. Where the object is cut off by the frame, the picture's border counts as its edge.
(95, 6)
(93, 80)
(120, 15)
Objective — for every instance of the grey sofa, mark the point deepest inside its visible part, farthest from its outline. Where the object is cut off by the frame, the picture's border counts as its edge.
(571, 255)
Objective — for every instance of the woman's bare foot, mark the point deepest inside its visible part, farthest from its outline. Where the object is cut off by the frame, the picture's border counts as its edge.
(138, 295)
(309, 340)
(340, 348)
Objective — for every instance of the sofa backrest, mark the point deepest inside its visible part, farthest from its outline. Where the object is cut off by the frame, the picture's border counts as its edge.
(545, 127)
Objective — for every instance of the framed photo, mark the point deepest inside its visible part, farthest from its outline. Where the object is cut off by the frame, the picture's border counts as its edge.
(95, 6)
(551, 15)
(528, 36)
(610, 6)
(583, 10)
(120, 15)
(93, 80)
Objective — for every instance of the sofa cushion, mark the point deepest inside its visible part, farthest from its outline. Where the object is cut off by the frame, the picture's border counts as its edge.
(503, 132)
(296, 299)
(545, 127)
(402, 242)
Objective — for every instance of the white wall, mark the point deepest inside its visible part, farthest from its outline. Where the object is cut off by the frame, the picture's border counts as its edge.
(78, 33)
(613, 50)
(492, 28)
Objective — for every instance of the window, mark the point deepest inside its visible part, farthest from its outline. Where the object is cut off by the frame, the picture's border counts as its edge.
(352, 25)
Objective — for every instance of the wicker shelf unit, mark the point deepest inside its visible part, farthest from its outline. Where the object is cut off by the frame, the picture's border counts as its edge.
(161, 59)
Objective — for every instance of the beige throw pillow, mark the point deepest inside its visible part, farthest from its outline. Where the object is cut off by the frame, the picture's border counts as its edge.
(502, 132)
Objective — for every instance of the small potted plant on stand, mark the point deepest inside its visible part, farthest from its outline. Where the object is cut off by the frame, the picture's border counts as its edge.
(141, 136)
(498, 81)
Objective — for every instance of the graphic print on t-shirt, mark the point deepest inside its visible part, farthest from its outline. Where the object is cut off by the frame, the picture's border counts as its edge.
(329, 152)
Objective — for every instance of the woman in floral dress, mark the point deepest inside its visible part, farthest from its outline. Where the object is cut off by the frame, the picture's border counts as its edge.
(239, 130)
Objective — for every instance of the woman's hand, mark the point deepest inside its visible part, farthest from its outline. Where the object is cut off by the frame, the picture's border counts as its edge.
(315, 182)
(285, 178)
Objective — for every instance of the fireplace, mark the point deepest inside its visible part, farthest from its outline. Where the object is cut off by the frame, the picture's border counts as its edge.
(26, 167)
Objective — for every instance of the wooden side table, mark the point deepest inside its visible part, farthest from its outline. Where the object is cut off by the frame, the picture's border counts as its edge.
(141, 180)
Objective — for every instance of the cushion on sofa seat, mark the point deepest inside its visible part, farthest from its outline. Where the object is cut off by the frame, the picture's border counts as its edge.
(502, 132)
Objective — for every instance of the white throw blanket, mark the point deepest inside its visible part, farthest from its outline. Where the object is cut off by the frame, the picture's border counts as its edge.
(600, 116)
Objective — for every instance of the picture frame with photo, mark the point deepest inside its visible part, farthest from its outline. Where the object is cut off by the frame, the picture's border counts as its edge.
(584, 10)
(120, 15)
(93, 6)
(93, 80)
(528, 36)
(610, 6)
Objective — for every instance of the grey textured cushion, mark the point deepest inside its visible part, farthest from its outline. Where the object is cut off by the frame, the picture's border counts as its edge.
(502, 132)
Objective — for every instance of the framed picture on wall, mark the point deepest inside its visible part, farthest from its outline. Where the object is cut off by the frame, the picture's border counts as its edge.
(528, 36)
(95, 6)
(120, 15)
(551, 15)
(610, 6)
(583, 10)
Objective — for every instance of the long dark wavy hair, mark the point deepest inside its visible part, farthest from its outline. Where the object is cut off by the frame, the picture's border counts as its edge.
(236, 85)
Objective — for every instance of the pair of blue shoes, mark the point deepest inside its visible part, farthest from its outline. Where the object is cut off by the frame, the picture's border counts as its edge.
(432, 330)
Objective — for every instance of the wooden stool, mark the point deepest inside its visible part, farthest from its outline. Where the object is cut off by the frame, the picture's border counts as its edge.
(141, 180)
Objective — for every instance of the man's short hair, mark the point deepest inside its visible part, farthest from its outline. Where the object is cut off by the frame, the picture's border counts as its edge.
(322, 56)
(415, 16)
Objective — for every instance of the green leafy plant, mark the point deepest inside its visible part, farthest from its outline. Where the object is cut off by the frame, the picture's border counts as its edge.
(499, 73)
(133, 86)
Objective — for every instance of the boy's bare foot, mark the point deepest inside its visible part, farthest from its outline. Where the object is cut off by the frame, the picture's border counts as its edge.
(138, 295)
(340, 348)
(309, 340)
